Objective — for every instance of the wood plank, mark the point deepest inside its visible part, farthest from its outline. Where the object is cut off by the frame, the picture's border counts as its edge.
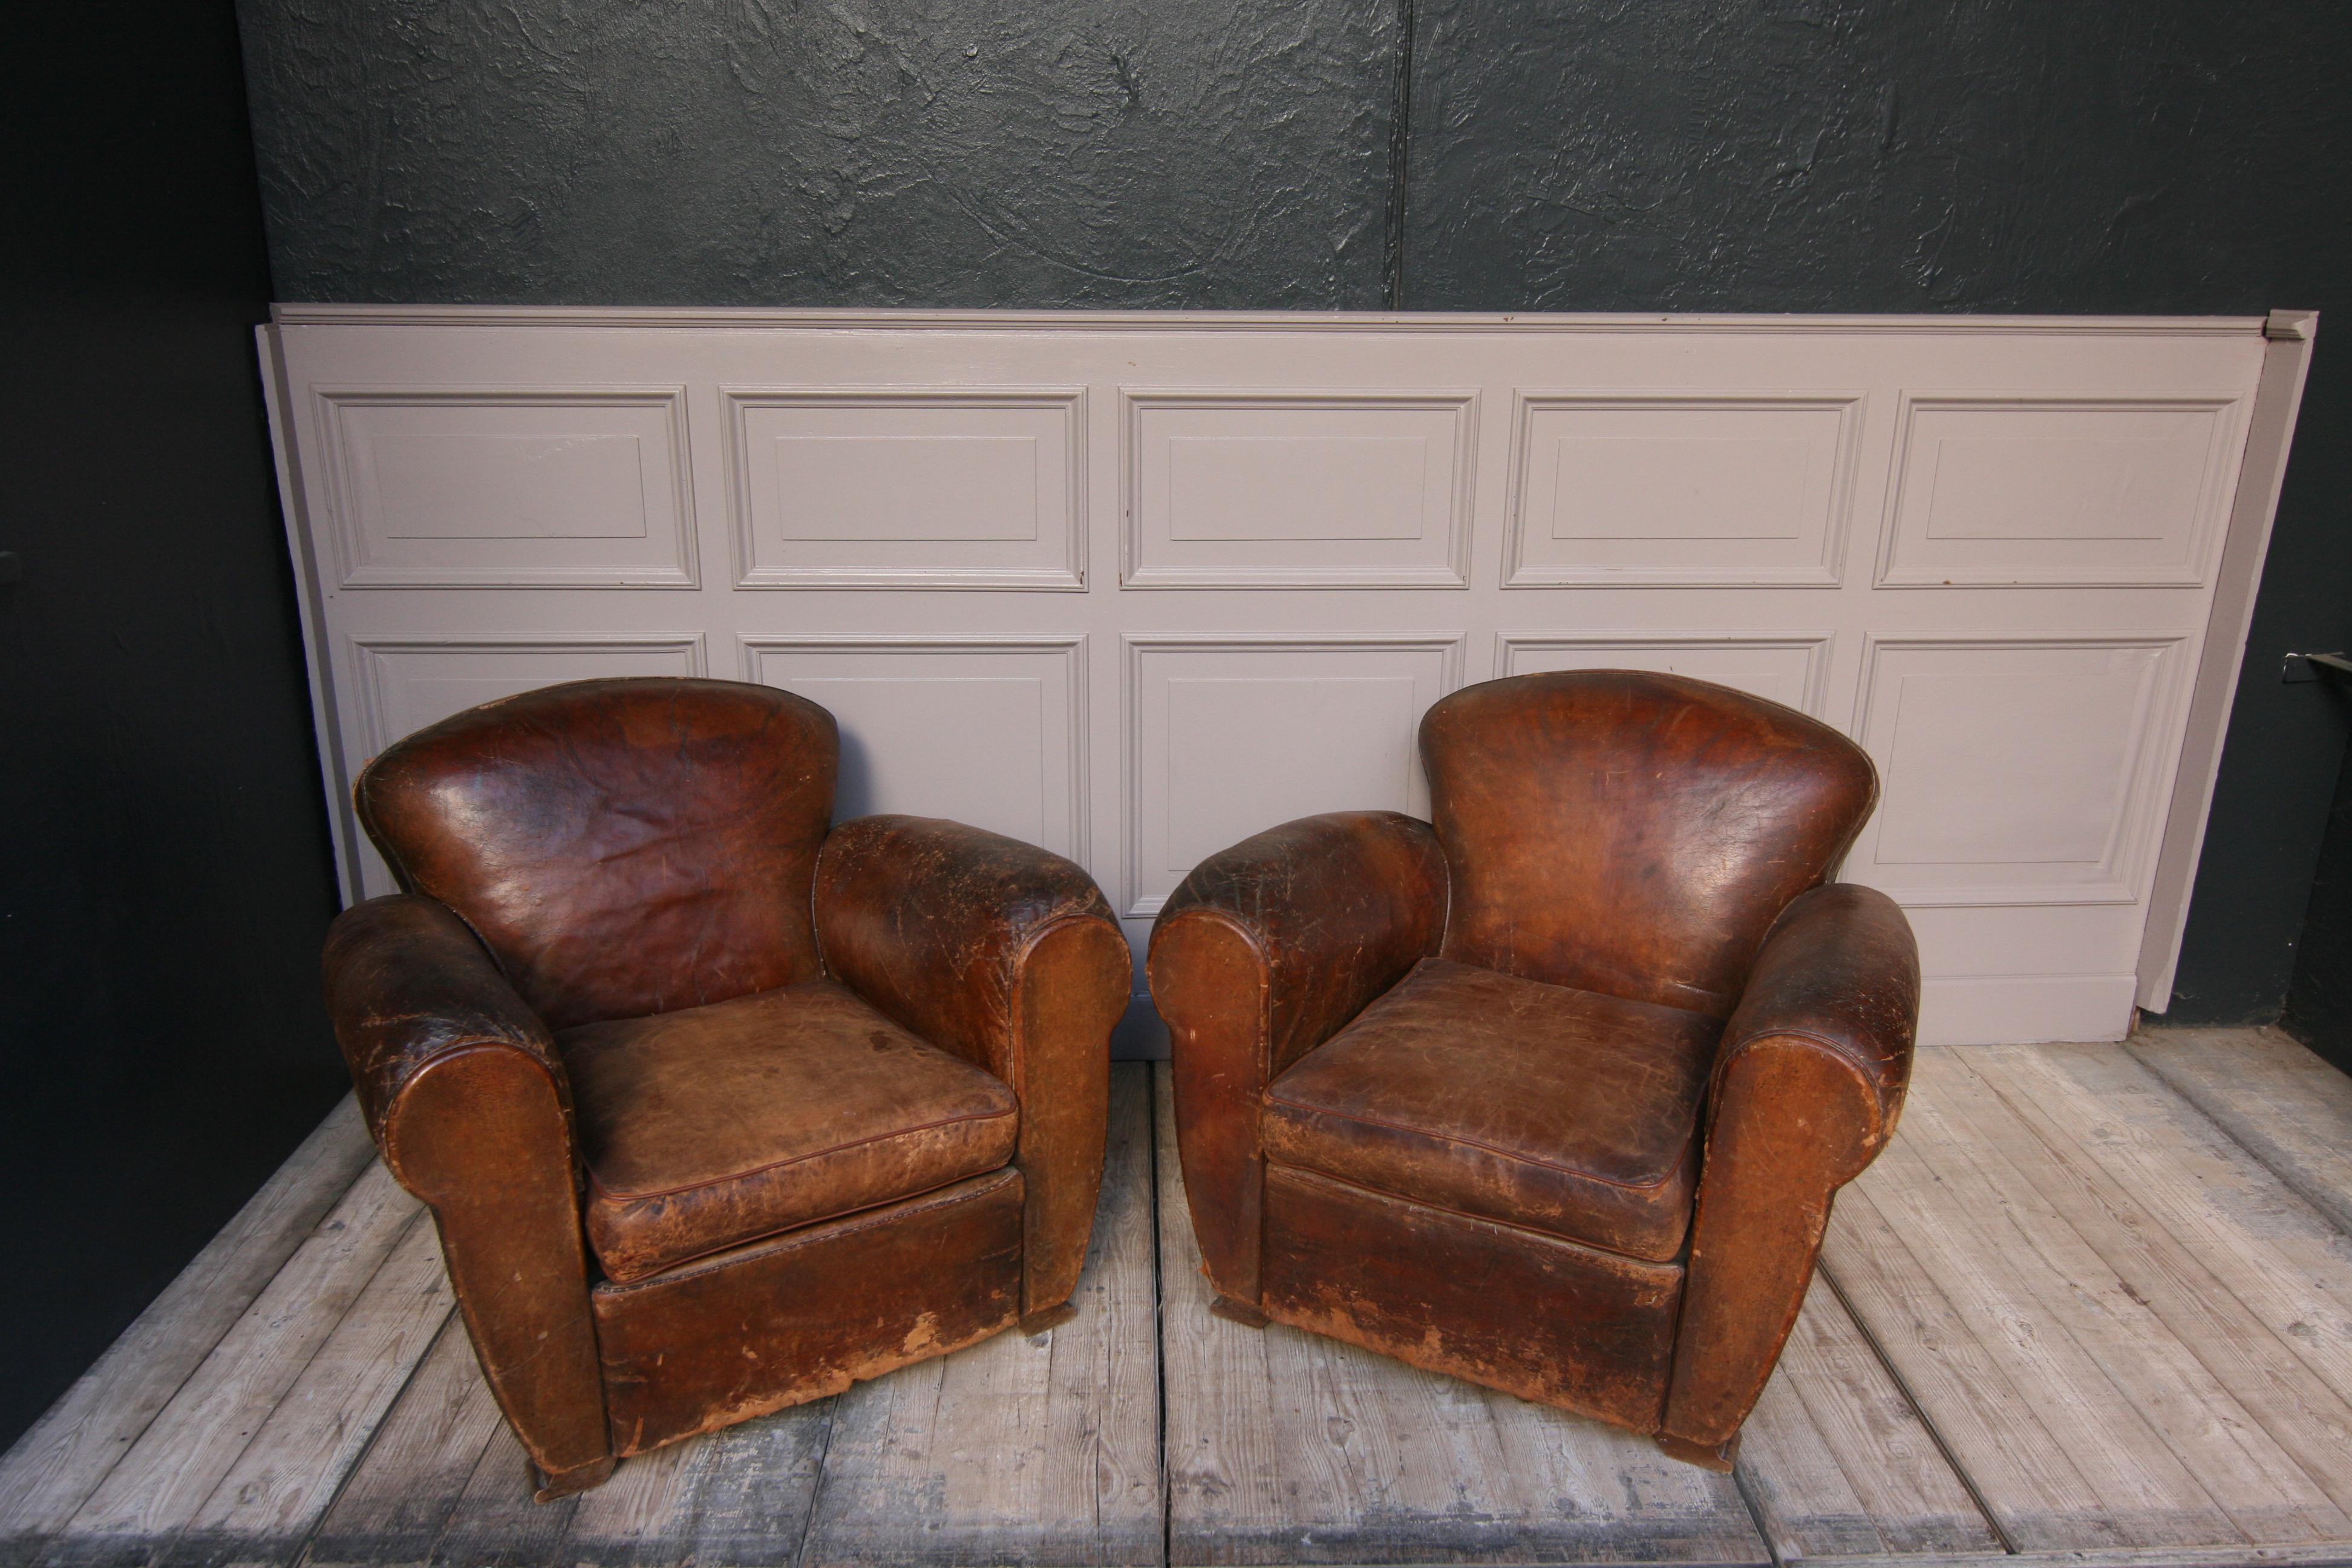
(2247, 1316)
(2281, 1257)
(2131, 1557)
(2091, 1288)
(1287, 1448)
(495, 1523)
(2212, 1384)
(1928, 1327)
(646, 1512)
(739, 1497)
(446, 1482)
(1836, 1462)
(1038, 1451)
(2290, 1109)
(54, 1467)
(264, 1509)
(2032, 1321)
(172, 1469)
(400, 1495)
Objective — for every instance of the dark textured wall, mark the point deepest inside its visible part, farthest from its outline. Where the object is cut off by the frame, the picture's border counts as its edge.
(1213, 152)
(166, 879)
(1870, 156)
(2170, 156)
(2319, 1004)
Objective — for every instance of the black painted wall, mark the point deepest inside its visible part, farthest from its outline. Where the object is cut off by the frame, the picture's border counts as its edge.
(165, 879)
(2012, 155)
(2319, 1004)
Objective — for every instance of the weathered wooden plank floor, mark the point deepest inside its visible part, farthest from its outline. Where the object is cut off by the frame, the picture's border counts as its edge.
(2094, 1307)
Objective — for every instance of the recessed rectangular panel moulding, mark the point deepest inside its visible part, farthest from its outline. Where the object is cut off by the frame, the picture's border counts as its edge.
(1266, 489)
(870, 488)
(1663, 490)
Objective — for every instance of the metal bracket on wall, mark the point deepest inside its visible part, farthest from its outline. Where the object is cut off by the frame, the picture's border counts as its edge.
(2301, 667)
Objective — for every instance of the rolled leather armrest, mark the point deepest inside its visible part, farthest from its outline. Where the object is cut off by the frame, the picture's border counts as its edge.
(1808, 1083)
(412, 989)
(1008, 956)
(469, 1106)
(1261, 956)
(1838, 974)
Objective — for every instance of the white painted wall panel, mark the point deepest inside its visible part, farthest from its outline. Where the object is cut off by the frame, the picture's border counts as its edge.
(1648, 490)
(1271, 489)
(937, 488)
(1229, 736)
(2015, 771)
(1787, 669)
(1989, 549)
(2060, 491)
(1008, 712)
(445, 486)
(405, 683)
(400, 683)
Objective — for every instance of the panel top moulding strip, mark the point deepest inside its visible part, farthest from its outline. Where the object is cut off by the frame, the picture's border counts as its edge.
(696, 318)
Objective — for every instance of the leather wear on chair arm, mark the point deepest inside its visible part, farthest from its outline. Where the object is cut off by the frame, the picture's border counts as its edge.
(469, 1106)
(1259, 956)
(1338, 908)
(1808, 1087)
(409, 988)
(1008, 956)
(1840, 971)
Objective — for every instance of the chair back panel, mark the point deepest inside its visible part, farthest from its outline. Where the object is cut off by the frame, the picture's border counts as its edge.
(624, 847)
(1633, 834)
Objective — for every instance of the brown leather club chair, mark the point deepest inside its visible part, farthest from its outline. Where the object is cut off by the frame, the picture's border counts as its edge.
(717, 1110)
(1555, 1097)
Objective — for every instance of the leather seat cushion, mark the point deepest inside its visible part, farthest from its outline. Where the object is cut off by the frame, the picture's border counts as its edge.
(710, 1127)
(1565, 1111)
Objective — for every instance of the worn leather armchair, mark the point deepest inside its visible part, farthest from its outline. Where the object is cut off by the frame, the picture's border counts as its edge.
(1554, 1096)
(718, 1107)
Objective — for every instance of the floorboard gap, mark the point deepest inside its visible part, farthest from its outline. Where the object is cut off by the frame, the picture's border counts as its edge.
(1927, 1422)
(129, 1440)
(816, 1492)
(301, 1554)
(1153, 1088)
(2336, 1206)
(1756, 1516)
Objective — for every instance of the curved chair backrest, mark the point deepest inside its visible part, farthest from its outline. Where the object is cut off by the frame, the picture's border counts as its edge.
(624, 847)
(1633, 834)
